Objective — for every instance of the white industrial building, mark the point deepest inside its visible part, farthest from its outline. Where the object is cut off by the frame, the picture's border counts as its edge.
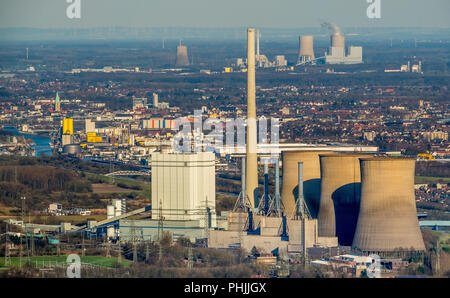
(337, 55)
(89, 125)
(183, 187)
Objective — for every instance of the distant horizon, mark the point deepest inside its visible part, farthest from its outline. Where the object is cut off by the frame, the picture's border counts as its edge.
(280, 14)
(226, 28)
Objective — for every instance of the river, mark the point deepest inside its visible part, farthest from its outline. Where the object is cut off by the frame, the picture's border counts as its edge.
(41, 144)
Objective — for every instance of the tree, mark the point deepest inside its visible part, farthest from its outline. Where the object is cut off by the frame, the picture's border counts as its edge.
(255, 252)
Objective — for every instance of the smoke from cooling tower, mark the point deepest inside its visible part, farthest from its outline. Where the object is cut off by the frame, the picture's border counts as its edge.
(333, 28)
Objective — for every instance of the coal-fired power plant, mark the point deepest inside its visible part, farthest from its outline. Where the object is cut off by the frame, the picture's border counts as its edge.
(306, 49)
(337, 53)
(182, 56)
(340, 194)
(387, 218)
(252, 159)
(331, 196)
(311, 180)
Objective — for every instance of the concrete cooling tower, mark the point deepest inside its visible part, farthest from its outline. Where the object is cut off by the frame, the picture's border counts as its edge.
(182, 56)
(387, 218)
(311, 178)
(306, 51)
(338, 41)
(340, 194)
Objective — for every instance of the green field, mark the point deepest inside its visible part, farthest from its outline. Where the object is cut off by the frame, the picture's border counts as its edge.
(431, 180)
(95, 260)
(129, 183)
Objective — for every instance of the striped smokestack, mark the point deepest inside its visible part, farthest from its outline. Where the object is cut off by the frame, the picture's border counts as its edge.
(252, 162)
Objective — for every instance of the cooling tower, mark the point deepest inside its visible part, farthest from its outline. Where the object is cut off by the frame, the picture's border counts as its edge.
(311, 180)
(340, 193)
(338, 41)
(182, 56)
(306, 51)
(387, 218)
(252, 159)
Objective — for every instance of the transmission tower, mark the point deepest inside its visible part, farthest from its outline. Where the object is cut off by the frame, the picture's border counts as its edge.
(160, 230)
(190, 263)
(242, 205)
(147, 251)
(58, 245)
(133, 240)
(32, 244)
(82, 244)
(108, 253)
(160, 222)
(119, 254)
(7, 256)
(160, 252)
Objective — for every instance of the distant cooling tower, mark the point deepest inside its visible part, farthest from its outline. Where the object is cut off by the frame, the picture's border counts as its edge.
(182, 56)
(387, 218)
(340, 195)
(338, 41)
(311, 180)
(306, 52)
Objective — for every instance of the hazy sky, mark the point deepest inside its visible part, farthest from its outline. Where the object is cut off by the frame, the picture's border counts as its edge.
(223, 13)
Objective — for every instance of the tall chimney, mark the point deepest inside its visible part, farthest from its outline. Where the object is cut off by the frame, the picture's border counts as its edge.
(300, 196)
(252, 161)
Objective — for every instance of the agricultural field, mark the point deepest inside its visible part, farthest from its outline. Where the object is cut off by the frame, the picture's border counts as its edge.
(42, 260)
(431, 180)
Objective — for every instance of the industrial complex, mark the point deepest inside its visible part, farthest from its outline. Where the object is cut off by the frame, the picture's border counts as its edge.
(330, 196)
(292, 200)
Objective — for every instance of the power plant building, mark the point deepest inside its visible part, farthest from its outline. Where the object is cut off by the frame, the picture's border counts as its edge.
(268, 236)
(336, 53)
(183, 186)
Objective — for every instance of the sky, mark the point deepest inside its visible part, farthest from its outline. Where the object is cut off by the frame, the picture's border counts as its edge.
(223, 13)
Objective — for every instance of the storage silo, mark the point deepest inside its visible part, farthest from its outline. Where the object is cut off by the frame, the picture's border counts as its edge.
(311, 180)
(340, 194)
(387, 218)
(73, 149)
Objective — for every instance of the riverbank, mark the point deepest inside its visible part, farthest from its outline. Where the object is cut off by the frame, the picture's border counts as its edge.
(41, 144)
